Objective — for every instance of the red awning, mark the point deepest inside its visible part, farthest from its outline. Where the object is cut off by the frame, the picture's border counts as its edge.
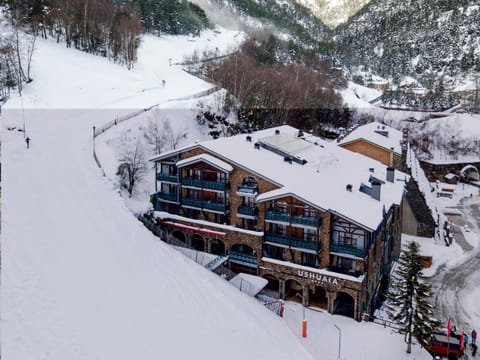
(193, 228)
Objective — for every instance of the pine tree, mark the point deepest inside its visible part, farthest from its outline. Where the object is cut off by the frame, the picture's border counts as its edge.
(407, 299)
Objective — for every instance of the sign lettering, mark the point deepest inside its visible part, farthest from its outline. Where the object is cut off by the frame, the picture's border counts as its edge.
(317, 278)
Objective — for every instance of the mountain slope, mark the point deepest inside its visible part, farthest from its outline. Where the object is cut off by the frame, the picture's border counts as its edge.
(334, 12)
(422, 38)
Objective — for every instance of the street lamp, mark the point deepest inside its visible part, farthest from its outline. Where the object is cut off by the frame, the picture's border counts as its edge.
(94, 141)
(339, 339)
(304, 322)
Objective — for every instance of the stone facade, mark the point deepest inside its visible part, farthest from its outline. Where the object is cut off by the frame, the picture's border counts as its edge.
(312, 279)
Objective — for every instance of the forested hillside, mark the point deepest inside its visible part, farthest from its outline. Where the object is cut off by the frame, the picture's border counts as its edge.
(430, 40)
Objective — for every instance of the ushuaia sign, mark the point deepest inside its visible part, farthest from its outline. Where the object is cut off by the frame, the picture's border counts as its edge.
(317, 278)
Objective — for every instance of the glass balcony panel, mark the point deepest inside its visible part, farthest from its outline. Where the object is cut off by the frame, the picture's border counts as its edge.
(277, 216)
(293, 241)
(347, 250)
(213, 206)
(251, 259)
(203, 184)
(169, 197)
(285, 217)
(167, 177)
(192, 202)
(248, 189)
(247, 210)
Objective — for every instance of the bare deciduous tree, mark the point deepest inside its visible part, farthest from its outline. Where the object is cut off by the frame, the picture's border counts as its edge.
(160, 134)
(133, 161)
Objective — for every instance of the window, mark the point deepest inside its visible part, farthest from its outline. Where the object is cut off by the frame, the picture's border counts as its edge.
(346, 239)
(347, 264)
(194, 194)
(274, 252)
(309, 212)
(221, 177)
(249, 224)
(279, 229)
(195, 173)
(280, 206)
(309, 235)
(310, 260)
(249, 201)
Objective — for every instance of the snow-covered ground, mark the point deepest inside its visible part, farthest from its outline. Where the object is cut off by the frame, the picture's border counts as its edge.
(81, 277)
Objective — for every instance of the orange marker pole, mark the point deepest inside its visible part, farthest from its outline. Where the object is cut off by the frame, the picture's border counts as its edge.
(304, 328)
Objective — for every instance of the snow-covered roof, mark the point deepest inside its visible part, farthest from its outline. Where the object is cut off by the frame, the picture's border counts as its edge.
(213, 161)
(319, 172)
(378, 134)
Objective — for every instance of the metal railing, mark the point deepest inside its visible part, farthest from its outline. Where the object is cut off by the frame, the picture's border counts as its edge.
(248, 189)
(295, 219)
(204, 184)
(244, 258)
(247, 210)
(290, 241)
(347, 250)
(167, 177)
(205, 205)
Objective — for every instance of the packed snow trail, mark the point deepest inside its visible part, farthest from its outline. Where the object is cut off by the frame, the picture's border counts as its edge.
(83, 279)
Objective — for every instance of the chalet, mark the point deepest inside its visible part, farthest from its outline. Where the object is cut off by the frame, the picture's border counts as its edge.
(384, 143)
(377, 141)
(320, 223)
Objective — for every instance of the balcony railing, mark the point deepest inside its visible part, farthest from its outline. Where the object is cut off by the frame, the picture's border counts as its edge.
(250, 259)
(213, 206)
(204, 184)
(305, 220)
(168, 197)
(247, 189)
(192, 202)
(290, 241)
(277, 216)
(247, 210)
(347, 250)
(345, 271)
(285, 217)
(206, 205)
(167, 177)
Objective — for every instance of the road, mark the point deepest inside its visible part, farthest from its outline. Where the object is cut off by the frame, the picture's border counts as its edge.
(453, 286)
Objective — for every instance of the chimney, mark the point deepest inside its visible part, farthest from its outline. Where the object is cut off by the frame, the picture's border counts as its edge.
(349, 187)
(376, 185)
(277, 131)
(249, 138)
(390, 174)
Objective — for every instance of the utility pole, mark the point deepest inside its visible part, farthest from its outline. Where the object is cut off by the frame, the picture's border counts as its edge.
(94, 141)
